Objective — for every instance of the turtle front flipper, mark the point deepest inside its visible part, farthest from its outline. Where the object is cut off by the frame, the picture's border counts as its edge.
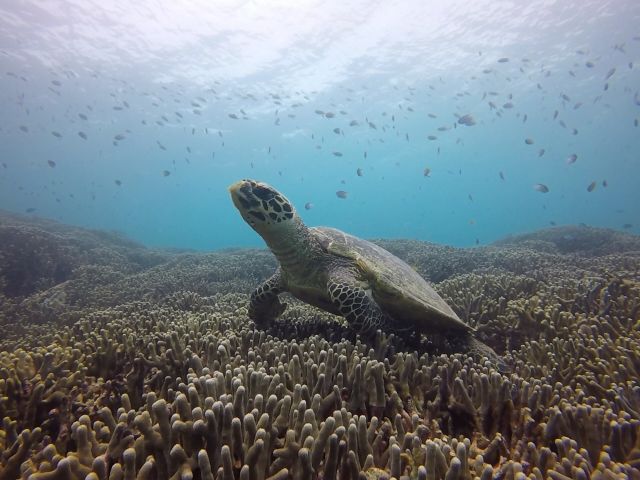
(265, 306)
(357, 305)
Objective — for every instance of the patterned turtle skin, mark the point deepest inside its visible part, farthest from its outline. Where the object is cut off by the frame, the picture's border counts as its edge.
(342, 274)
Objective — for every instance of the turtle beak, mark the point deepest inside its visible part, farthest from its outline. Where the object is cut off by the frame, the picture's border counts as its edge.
(242, 195)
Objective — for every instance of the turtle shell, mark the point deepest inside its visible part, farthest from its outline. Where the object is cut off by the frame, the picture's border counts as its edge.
(397, 288)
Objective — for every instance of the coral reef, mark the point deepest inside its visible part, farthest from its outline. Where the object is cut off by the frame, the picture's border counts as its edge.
(147, 367)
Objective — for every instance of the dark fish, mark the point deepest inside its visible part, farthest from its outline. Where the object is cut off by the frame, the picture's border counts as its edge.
(119, 137)
(467, 120)
(609, 74)
(372, 125)
(591, 187)
(353, 123)
(528, 141)
(82, 135)
(426, 172)
(359, 172)
(432, 115)
(30, 210)
(507, 105)
(541, 187)
(337, 131)
(117, 182)
(24, 128)
(605, 184)
(308, 206)
(51, 163)
(56, 134)
(503, 60)
(501, 175)
(329, 115)
(432, 137)
(56, 83)
(572, 158)
(555, 114)
(162, 147)
(342, 194)
(470, 197)
(166, 173)
(541, 152)
(319, 112)
(625, 226)
(337, 154)
(365, 154)
(234, 116)
(590, 64)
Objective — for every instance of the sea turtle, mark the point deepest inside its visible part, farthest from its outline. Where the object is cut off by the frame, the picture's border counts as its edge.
(342, 274)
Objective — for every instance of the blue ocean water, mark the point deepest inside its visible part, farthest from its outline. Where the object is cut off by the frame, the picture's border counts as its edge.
(440, 120)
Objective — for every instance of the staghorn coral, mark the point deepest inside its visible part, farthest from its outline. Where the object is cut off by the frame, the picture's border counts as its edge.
(167, 378)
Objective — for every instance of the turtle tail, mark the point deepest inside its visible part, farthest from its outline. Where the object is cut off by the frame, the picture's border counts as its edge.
(480, 349)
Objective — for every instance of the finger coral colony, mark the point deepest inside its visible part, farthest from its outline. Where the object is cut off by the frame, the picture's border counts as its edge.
(119, 362)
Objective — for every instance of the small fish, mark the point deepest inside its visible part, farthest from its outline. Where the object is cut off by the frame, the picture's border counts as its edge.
(541, 187)
(432, 137)
(528, 141)
(162, 147)
(82, 135)
(337, 154)
(233, 116)
(119, 137)
(572, 159)
(319, 112)
(467, 120)
(353, 123)
(24, 128)
(426, 172)
(337, 131)
(329, 115)
(359, 172)
(591, 187)
(365, 154)
(555, 114)
(342, 194)
(507, 105)
(605, 184)
(117, 182)
(56, 134)
(627, 226)
(540, 152)
(590, 64)
(166, 173)
(372, 125)
(503, 60)
(609, 74)
(501, 175)
(51, 163)
(308, 206)
(470, 197)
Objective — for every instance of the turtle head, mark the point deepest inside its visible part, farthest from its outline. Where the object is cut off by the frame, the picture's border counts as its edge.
(265, 209)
